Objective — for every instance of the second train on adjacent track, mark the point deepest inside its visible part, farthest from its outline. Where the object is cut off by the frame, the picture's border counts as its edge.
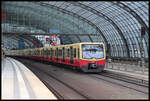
(86, 56)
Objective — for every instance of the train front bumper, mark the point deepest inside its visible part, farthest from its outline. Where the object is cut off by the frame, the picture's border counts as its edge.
(92, 67)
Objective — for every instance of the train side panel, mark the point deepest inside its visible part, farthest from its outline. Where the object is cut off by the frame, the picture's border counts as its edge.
(63, 54)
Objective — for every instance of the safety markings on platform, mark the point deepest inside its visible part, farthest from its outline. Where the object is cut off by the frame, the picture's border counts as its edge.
(18, 82)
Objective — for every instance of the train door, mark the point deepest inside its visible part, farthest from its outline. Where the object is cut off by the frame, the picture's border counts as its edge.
(56, 54)
(51, 53)
(78, 53)
(63, 53)
(71, 55)
(43, 53)
(47, 53)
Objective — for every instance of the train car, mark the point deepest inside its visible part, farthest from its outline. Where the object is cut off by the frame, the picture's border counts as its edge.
(86, 56)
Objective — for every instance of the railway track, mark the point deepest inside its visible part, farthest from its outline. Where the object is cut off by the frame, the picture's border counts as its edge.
(39, 72)
(61, 81)
(126, 78)
(122, 80)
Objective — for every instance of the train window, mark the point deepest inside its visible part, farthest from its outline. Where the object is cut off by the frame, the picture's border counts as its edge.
(49, 52)
(74, 52)
(42, 52)
(55, 52)
(63, 54)
(29, 52)
(92, 51)
(78, 53)
(33, 52)
(45, 52)
(63, 51)
(59, 52)
(52, 52)
(68, 53)
(38, 52)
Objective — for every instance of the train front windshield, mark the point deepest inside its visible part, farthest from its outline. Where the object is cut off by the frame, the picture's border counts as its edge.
(92, 51)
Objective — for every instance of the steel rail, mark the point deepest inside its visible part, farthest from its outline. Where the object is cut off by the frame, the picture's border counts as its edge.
(62, 82)
(126, 78)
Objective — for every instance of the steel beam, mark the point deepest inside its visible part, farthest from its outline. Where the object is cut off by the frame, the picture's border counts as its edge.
(47, 14)
(27, 33)
(77, 35)
(94, 11)
(133, 13)
(67, 35)
(90, 38)
(73, 14)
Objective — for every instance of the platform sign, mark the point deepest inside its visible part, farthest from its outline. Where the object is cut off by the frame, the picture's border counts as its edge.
(20, 44)
(47, 39)
(54, 40)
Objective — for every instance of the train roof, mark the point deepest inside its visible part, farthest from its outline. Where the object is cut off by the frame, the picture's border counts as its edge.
(80, 43)
(64, 45)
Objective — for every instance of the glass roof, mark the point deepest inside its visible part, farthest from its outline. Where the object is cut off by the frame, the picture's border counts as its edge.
(117, 23)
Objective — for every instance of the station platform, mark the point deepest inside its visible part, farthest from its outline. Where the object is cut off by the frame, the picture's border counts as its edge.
(18, 82)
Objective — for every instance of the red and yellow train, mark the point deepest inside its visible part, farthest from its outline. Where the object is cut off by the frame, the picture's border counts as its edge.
(86, 56)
